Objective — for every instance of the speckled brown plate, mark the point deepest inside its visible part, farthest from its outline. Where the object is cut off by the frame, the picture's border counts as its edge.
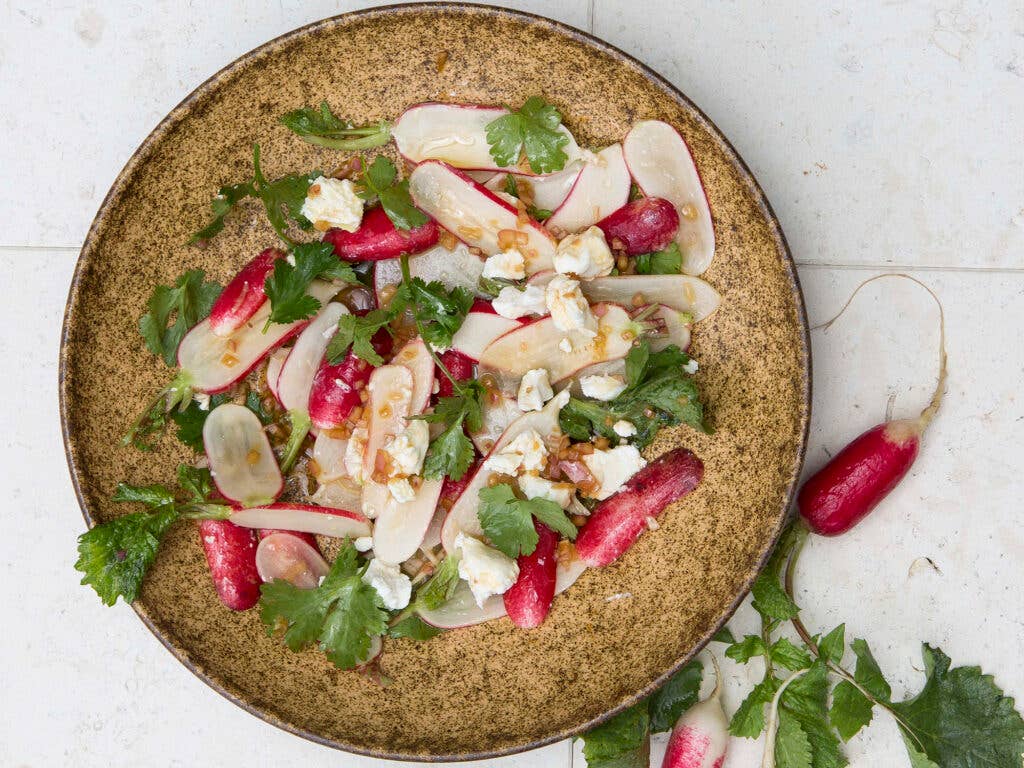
(490, 689)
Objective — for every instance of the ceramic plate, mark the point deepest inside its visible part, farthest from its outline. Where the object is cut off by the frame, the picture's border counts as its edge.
(490, 689)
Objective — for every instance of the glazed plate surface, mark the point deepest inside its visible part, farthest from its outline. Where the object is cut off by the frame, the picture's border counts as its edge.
(490, 689)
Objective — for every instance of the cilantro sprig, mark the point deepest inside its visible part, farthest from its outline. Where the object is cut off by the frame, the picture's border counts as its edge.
(341, 616)
(323, 128)
(356, 332)
(451, 453)
(508, 520)
(286, 287)
(380, 179)
(668, 261)
(115, 556)
(659, 393)
(173, 309)
(532, 130)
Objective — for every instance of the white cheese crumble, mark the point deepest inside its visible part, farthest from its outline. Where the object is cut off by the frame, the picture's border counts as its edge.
(536, 487)
(603, 387)
(333, 202)
(534, 390)
(393, 586)
(202, 400)
(354, 454)
(565, 345)
(363, 544)
(408, 448)
(526, 452)
(569, 309)
(487, 571)
(585, 254)
(514, 303)
(612, 468)
(624, 428)
(401, 489)
(691, 366)
(507, 265)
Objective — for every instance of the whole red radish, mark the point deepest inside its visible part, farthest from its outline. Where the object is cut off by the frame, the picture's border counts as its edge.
(243, 295)
(459, 366)
(855, 480)
(529, 599)
(378, 238)
(231, 555)
(642, 226)
(619, 520)
(701, 735)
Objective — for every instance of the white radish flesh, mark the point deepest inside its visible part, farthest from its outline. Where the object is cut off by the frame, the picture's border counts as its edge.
(536, 345)
(242, 462)
(456, 268)
(462, 518)
(274, 365)
(478, 330)
(390, 388)
(499, 411)
(213, 363)
(601, 188)
(417, 358)
(399, 528)
(335, 488)
(676, 330)
(289, 558)
(547, 192)
(296, 378)
(681, 292)
(476, 215)
(662, 166)
(700, 737)
(305, 518)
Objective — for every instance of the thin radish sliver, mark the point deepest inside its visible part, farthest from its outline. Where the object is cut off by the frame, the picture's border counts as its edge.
(242, 462)
(323, 521)
(287, 557)
(296, 378)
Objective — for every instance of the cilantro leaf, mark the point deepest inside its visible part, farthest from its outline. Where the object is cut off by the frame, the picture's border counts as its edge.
(748, 720)
(621, 742)
(190, 421)
(533, 130)
(380, 179)
(961, 718)
(680, 693)
(356, 332)
(414, 628)
(188, 301)
(321, 127)
(744, 650)
(341, 615)
(439, 589)
(668, 261)
(286, 286)
(451, 453)
(438, 312)
(508, 521)
(553, 516)
(222, 204)
(283, 198)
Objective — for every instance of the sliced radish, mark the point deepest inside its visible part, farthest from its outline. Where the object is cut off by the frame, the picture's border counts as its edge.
(213, 363)
(499, 411)
(289, 558)
(529, 599)
(335, 488)
(681, 292)
(662, 166)
(241, 460)
(378, 238)
(601, 188)
(296, 378)
(455, 134)
(391, 392)
(548, 192)
(676, 331)
(459, 366)
(485, 177)
(242, 297)
(335, 390)
(450, 492)
(454, 268)
(323, 521)
(568, 573)
(641, 226)
(463, 518)
(478, 330)
(274, 364)
(536, 345)
(231, 554)
(476, 215)
(417, 358)
(399, 528)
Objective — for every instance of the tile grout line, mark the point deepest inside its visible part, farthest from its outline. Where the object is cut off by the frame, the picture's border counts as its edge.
(590, 15)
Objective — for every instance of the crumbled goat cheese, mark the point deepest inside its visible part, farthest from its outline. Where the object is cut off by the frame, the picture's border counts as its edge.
(507, 265)
(333, 202)
(569, 309)
(612, 468)
(603, 387)
(691, 366)
(408, 448)
(565, 345)
(624, 428)
(585, 254)
(363, 544)
(536, 487)
(514, 303)
(354, 454)
(534, 390)
(393, 586)
(526, 452)
(487, 571)
(401, 489)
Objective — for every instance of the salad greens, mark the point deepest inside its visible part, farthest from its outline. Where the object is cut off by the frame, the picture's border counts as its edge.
(323, 128)
(532, 130)
(508, 521)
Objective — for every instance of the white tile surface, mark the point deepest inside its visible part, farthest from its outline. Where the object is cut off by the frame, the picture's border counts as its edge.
(915, 110)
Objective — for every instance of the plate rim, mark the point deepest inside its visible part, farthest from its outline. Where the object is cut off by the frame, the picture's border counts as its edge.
(180, 111)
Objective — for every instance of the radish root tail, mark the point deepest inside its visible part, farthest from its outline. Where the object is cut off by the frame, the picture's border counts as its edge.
(768, 760)
(926, 416)
(717, 692)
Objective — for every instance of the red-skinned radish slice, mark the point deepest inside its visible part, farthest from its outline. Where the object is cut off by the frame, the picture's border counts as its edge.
(309, 538)
(681, 292)
(450, 492)
(417, 358)
(700, 737)
(289, 558)
(305, 518)
(231, 555)
(662, 166)
(335, 488)
(296, 378)
(499, 411)
(243, 295)
(454, 268)
(855, 480)
(536, 345)
(335, 389)
(601, 188)
(618, 521)
(211, 363)
(399, 528)
(547, 192)
(455, 134)
(459, 366)
(641, 226)
(478, 330)
(528, 601)
(274, 364)
(463, 516)
(476, 215)
(388, 408)
(242, 462)
(378, 238)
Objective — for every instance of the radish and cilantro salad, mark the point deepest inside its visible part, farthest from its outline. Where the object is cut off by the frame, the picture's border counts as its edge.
(425, 406)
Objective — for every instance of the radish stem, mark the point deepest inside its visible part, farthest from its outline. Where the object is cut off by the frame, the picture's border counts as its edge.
(175, 395)
(926, 416)
(768, 760)
(301, 423)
